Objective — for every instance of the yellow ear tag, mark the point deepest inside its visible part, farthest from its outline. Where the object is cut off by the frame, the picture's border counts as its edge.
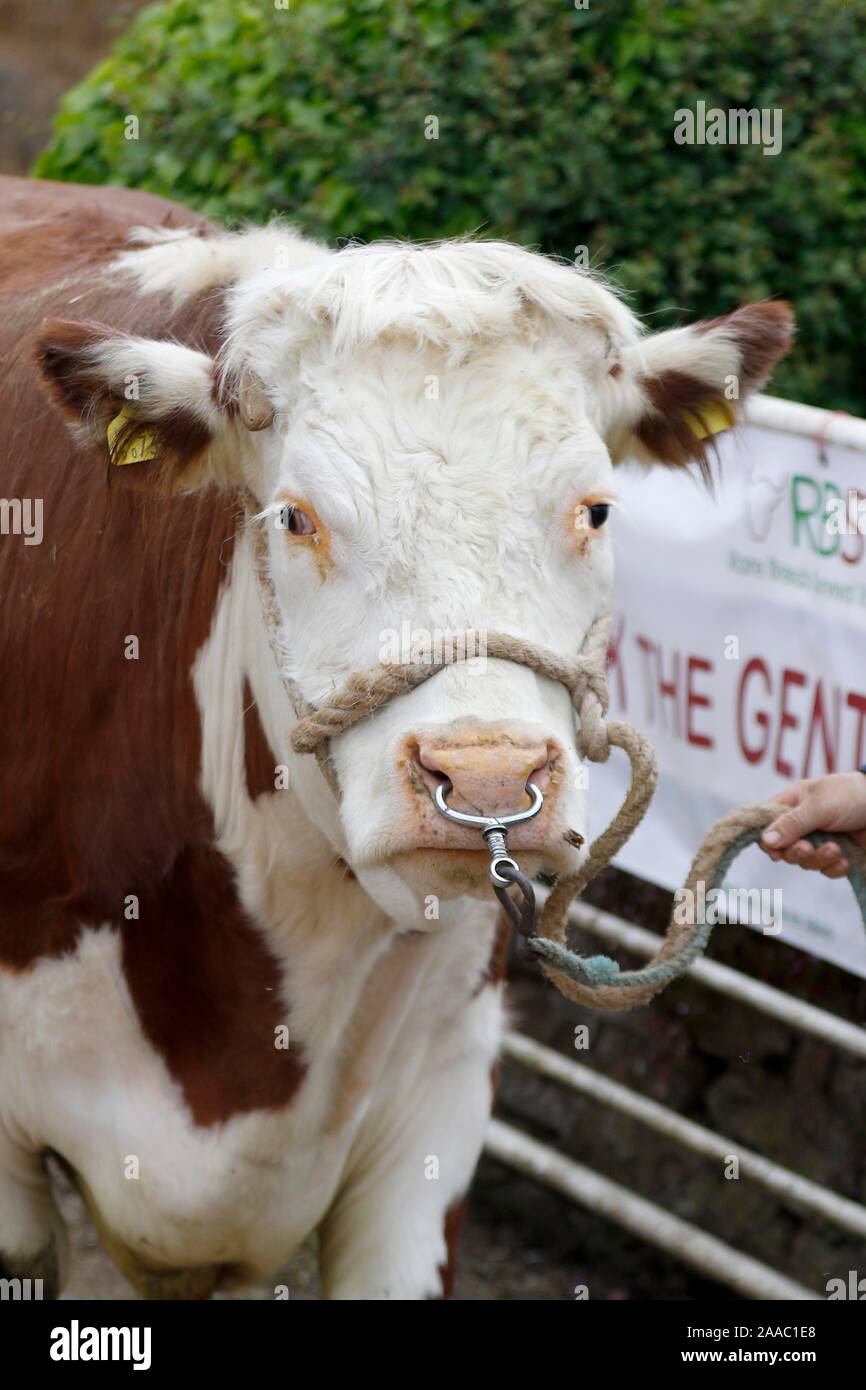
(715, 416)
(142, 446)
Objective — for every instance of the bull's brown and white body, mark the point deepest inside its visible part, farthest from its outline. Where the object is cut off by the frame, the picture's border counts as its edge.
(179, 895)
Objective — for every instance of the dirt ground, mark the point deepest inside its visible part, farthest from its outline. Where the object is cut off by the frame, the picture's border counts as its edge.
(493, 1264)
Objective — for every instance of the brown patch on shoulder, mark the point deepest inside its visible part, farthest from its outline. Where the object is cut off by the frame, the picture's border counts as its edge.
(53, 231)
(259, 761)
(207, 992)
(100, 766)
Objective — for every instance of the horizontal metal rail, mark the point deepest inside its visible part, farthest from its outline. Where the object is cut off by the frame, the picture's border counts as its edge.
(643, 1218)
(711, 1257)
(792, 417)
(805, 1018)
(790, 1188)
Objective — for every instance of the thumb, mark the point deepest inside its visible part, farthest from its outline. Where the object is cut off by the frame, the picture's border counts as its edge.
(786, 829)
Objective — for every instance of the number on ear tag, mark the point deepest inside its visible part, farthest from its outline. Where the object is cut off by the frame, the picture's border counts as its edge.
(142, 446)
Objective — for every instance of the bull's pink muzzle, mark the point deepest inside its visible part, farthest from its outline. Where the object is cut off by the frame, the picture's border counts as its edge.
(487, 771)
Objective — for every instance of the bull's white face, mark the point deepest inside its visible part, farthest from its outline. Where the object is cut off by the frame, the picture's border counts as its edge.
(430, 499)
(433, 445)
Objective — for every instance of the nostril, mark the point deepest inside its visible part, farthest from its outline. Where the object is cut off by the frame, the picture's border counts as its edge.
(540, 774)
(427, 761)
(494, 771)
(425, 767)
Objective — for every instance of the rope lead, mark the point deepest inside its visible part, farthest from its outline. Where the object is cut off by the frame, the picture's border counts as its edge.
(596, 981)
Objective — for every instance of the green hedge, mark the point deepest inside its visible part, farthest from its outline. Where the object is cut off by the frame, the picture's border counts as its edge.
(555, 129)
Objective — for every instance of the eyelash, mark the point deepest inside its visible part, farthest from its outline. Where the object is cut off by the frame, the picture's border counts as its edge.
(294, 520)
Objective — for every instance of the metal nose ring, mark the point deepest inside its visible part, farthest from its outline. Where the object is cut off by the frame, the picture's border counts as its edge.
(485, 823)
(493, 828)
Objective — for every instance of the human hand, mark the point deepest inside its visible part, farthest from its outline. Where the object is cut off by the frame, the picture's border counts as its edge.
(833, 803)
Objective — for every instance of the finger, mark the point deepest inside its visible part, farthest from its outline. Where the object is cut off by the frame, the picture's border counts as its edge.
(791, 795)
(771, 853)
(827, 855)
(839, 870)
(792, 826)
(802, 854)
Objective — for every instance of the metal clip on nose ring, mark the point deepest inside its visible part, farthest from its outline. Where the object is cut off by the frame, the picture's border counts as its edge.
(503, 869)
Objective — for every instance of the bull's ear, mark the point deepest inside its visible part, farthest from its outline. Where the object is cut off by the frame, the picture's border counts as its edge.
(672, 392)
(154, 407)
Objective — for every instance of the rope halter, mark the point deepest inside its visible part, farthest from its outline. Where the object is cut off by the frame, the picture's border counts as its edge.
(595, 981)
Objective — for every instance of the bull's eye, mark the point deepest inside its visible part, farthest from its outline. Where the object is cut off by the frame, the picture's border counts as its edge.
(293, 519)
(598, 514)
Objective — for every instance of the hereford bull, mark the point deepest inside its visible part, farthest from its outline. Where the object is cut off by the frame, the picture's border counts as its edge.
(239, 1010)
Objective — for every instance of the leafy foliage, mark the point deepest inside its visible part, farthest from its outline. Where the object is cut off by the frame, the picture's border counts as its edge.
(555, 129)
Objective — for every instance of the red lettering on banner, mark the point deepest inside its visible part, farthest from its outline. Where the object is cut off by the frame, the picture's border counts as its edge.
(669, 690)
(762, 719)
(787, 720)
(615, 664)
(858, 702)
(766, 703)
(696, 701)
(819, 721)
(670, 700)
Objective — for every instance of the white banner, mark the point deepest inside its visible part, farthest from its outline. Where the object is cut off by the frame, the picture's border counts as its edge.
(739, 648)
